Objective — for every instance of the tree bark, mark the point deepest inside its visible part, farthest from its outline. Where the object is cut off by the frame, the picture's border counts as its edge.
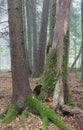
(20, 82)
(60, 30)
(43, 35)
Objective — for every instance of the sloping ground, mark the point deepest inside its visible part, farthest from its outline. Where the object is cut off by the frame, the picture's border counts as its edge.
(33, 122)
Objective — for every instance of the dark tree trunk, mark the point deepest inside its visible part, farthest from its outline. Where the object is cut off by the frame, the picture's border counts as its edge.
(43, 35)
(20, 82)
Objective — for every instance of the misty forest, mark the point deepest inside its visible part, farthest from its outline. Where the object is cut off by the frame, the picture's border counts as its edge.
(41, 64)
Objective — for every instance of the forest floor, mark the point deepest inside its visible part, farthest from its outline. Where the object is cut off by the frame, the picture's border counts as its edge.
(34, 122)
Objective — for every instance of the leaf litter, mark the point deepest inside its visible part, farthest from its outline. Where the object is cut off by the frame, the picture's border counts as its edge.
(34, 122)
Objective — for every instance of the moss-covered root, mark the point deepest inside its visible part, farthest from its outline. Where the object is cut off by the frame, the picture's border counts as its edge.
(32, 102)
(11, 114)
(45, 123)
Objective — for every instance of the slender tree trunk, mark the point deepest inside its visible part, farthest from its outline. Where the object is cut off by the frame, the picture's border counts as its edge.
(43, 35)
(29, 35)
(82, 37)
(35, 48)
(52, 24)
(20, 82)
(66, 89)
(79, 53)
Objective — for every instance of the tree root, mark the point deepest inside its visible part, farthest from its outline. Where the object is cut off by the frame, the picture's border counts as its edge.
(32, 103)
(45, 112)
(11, 114)
(45, 123)
(71, 110)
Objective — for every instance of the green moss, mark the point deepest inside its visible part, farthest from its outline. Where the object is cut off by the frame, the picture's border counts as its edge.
(48, 78)
(44, 111)
(1, 115)
(65, 58)
(45, 123)
(68, 96)
(11, 113)
(24, 115)
(70, 101)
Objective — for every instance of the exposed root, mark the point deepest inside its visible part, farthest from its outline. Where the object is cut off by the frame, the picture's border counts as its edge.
(34, 105)
(45, 123)
(11, 114)
(71, 110)
(45, 112)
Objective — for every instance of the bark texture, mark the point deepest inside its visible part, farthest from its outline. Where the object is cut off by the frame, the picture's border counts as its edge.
(60, 30)
(20, 82)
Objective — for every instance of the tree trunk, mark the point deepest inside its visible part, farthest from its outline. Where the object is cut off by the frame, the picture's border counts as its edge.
(55, 73)
(66, 89)
(79, 53)
(82, 37)
(35, 47)
(43, 35)
(52, 24)
(20, 82)
(29, 35)
(47, 79)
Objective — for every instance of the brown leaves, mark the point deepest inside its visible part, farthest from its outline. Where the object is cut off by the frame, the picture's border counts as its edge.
(34, 122)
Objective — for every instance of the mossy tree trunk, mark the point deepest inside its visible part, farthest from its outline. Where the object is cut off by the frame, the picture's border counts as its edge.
(47, 79)
(67, 93)
(56, 68)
